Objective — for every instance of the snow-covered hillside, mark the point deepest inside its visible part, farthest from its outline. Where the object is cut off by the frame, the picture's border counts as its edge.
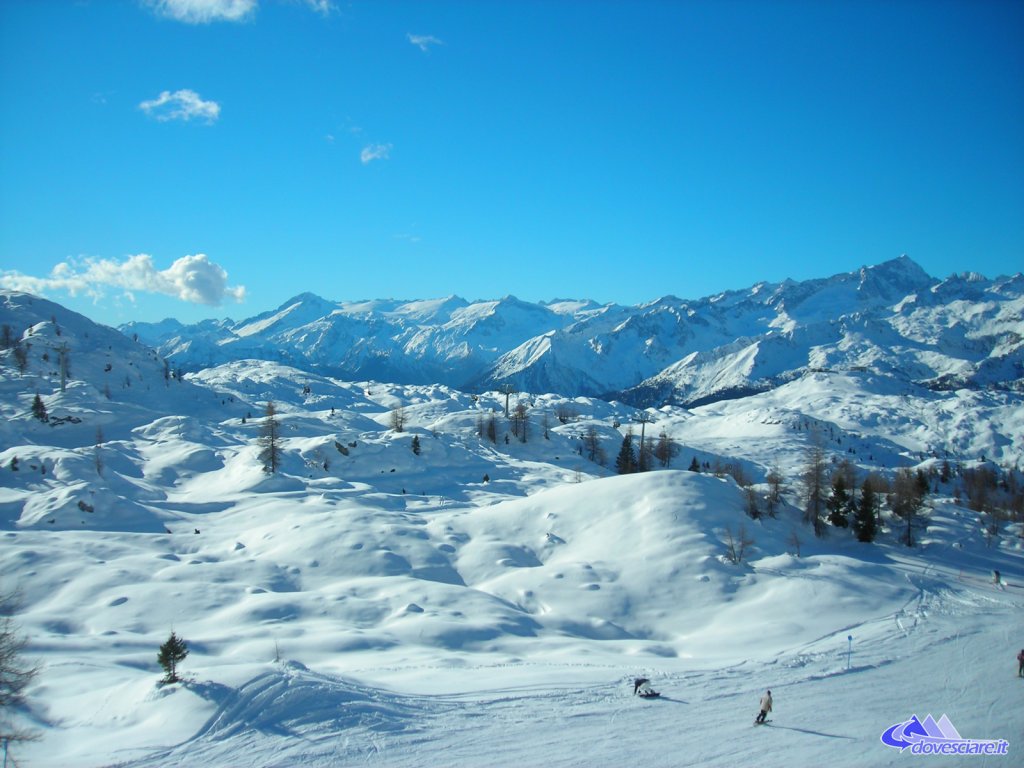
(891, 319)
(484, 602)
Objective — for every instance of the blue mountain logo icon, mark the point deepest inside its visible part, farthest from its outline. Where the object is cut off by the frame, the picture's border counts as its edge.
(938, 737)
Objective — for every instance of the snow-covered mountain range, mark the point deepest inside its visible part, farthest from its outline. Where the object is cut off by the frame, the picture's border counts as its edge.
(438, 596)
(892, 319)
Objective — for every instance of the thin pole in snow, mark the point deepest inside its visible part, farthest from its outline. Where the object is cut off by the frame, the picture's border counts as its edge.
(849, 650)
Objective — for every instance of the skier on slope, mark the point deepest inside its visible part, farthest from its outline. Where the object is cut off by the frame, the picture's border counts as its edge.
(1020, 663)
(766, 707)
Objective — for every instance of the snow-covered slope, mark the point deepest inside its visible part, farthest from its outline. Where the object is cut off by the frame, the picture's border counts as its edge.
(482, 602)
(891, 319)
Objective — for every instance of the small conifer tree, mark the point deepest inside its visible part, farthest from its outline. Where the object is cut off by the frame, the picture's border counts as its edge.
(625, 462)
(838, 502)
(39, 409)
(864, 526)
(172, 653)
(21, 356)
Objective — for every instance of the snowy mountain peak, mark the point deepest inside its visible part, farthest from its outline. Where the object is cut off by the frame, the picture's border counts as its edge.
(892, 319)
(894, 279)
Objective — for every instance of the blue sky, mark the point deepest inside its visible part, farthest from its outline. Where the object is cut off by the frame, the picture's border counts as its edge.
(212, 158)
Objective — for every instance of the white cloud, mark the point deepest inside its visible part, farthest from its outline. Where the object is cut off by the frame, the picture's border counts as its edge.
(207, 11)
(373, 152)
(181, 105)
(423, 42)
(323, 7)
(192, 278)
(204, 11)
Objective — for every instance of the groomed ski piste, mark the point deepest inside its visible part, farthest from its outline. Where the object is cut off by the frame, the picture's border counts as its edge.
(487, 604)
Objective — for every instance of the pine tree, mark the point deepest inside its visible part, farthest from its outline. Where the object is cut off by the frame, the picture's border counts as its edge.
(270, 440)
(21, 356)
(838, 503)
(172, 653)
(694, 465)
(39, 409)
(625, 462)
(864, 527)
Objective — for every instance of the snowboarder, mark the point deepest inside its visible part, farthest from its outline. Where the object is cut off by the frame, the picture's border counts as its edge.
(1020, 663)
(766, 707)
(642, 688)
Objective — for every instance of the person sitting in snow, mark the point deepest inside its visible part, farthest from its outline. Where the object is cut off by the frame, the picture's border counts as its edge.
(642, 687)
(766, 707)
(1020, 663)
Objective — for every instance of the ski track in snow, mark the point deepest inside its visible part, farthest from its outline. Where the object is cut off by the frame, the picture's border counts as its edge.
(824, 711)
(481, 604)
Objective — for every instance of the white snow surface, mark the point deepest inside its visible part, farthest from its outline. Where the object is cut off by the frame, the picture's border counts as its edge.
(480, 604)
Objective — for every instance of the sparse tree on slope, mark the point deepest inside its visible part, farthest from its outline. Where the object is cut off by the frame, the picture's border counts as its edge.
(21, 356)
(15, 673)
(814, 479)
(775, 486)
(645, 456)
(906, 501)
(397, 421)
(520, 421)
(625, 462)
(172, 653)
(839, 502)
(592, 447)
(665, 450)
(270, 440)
(39, 409)
(97, 451)
(864, 525)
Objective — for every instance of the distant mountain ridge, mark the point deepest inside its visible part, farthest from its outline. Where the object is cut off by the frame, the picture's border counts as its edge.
(892, 319)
